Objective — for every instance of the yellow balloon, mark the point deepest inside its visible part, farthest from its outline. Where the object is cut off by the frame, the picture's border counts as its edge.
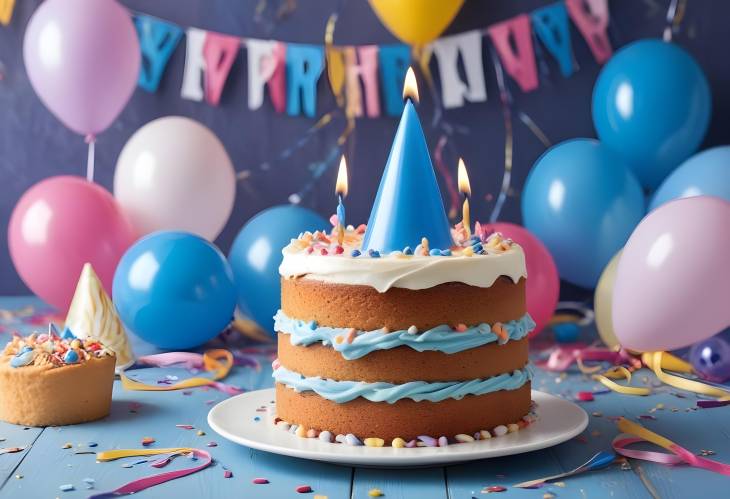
(602, 301)
(416, 22)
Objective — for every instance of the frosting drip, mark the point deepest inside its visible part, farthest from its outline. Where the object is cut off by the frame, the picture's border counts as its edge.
(345, 391)
(441, 338)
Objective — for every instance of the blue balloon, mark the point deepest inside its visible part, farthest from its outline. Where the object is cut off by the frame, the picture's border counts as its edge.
(174, 290)
(652, 105)
(583, 203)
(256, 255)
(705, 173)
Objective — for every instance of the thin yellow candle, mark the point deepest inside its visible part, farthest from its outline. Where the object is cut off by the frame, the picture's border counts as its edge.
(465, 189)
(341, 191)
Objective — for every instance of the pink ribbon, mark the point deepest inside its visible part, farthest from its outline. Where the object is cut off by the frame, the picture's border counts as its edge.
(152, 480)
(188, 360)
(562, 357)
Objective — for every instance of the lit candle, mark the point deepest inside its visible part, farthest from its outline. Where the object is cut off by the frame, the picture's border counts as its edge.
(465, 189)
(341, 191)
(410, 87)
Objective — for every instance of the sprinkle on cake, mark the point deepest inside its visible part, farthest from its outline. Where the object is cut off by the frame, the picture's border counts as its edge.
(52, 349)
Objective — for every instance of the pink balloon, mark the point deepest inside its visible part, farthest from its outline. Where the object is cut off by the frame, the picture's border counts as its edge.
(58, 225)
(673, 280)
(83, 60)
(543, 283)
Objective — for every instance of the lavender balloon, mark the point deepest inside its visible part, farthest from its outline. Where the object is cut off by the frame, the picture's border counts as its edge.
(83, 59)
(673, 279)
(711, 359)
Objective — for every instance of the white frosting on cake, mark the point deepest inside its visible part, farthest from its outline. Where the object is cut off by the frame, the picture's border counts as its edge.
(412, 272)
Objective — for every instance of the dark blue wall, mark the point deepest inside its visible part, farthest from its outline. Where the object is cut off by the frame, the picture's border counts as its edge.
(34, 145)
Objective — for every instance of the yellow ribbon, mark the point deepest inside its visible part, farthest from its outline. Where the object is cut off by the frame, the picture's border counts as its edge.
(111, 455)
(685, 384)
(632, 428)
(669, 362)
(620, 372)
(219, 362)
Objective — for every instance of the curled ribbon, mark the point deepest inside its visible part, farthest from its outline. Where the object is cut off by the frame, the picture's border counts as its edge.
(152, 480)
(684, 383)
(634, 432)
(218, 362)
(620, 372)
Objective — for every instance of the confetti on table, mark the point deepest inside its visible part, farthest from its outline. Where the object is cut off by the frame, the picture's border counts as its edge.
(212, 444)
(200, 433)
(89, 482)
(11, 450)
(67, 445)
(227, 474)
(585, 396)
(260, 481)
(493, 488)
(148, 441)
(375, 493)
(304, 489)
(185, 426)
(67, 487)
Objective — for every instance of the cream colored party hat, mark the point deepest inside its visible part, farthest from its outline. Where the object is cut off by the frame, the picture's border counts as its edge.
(92, 314)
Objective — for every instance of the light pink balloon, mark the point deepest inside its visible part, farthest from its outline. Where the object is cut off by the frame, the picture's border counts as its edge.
(672, 285)
(83, 60)
(543, 283)
(58, 225)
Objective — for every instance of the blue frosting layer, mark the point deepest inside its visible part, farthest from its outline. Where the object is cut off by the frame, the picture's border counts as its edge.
(345, 391)
(441, 338)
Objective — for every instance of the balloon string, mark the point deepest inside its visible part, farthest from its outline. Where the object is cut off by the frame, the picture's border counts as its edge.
(91, 140)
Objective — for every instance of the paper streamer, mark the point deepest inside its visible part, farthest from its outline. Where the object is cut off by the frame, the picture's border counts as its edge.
(447, 51)
(518, 62)
(219, 362)
(680, 454)
(6, 11)
(551, 27)
(684, 383)
(157, 40)
(598, 461)
(219, 52)
(304, 65)
(394, 61)
(192, 86)
(592, 24)
(152, 480)
(620, 372)
(366, 70)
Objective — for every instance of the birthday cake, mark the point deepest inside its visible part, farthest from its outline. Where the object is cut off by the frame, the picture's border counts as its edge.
(404, 332)
(50, 379)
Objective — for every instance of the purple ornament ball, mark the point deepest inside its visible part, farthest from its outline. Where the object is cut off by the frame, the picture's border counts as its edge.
(711, 358)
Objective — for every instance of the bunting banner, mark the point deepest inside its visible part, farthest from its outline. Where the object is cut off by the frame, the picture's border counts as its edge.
(367, 80)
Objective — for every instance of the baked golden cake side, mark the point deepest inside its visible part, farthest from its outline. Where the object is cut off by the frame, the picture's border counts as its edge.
(403, 346)
(46, 380)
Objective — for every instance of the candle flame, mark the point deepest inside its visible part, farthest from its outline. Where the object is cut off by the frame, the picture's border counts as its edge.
(410, 87)
(463, 176)
(341, 185)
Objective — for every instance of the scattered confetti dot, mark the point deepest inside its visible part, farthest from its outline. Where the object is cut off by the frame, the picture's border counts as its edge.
(375, 493)
(185, 426)
(260, 481)
(320, 497)
(212, 444)
(304, 489)
(67, 487)
(548, 495)
(89, 483)
(493, 488)
(146, 441)
(92, 444)
(200, 433)
(647, 416)
(227, 474)
(67, 445)
(19, 476)
(257, 418)
(585, 396)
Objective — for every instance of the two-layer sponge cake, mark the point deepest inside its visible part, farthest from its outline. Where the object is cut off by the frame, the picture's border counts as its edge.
(387, 348)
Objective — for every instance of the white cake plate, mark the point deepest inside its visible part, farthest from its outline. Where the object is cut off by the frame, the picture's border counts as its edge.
(234, 419)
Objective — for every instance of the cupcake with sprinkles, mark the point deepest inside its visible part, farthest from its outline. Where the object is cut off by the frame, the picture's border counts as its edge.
(49, 379)
(405, 332)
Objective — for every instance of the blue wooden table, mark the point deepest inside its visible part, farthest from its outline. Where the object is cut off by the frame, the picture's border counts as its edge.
(46, 464)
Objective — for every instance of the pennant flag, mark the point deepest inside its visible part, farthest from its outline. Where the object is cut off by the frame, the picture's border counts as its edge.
(367, 71)
(304, 65)
(192, 85)
(447, 50)
(393, 61)
(219, 52)
(6, 11)
(592, 24)
(519, 63)
(336, 71)
(551, 27)
(266, 66)
(157, 40)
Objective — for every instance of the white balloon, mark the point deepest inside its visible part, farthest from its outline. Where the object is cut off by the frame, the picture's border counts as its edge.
(175, 174)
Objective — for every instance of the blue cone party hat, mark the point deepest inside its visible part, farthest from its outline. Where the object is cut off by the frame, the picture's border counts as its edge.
(408, 206)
